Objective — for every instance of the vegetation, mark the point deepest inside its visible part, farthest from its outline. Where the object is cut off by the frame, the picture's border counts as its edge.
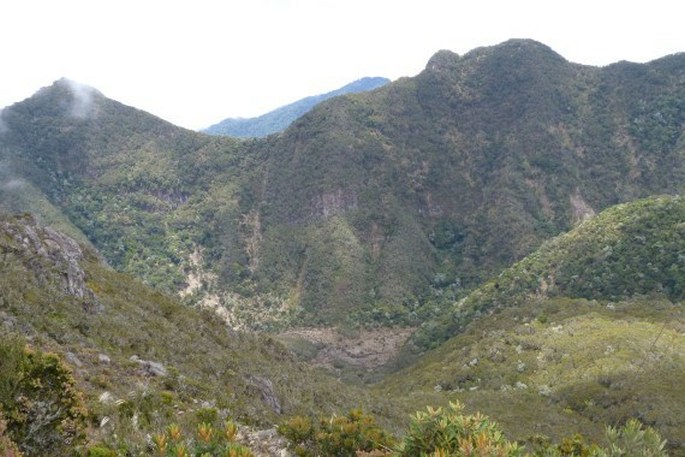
(444, 432)
(7, 447)
(207, 441)
(629, 250)
(402, 200)
(439, 432)
(429, 203)
(342, 436)
(141, 359)
(42, 411)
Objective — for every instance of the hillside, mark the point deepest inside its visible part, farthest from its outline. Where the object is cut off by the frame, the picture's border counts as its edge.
(280, 118)
(588, 329)
(418, 191)
(141, 359)
(378, 208)
(629, 250)
(131, 362)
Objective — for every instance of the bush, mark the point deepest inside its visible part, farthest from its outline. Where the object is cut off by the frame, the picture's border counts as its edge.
(43, 410)
(7, 447)
(339, 436)
(208, 441)
(446, 432)
(633, 440)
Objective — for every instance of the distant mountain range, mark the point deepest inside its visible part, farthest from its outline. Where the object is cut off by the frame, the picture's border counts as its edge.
(280, 118)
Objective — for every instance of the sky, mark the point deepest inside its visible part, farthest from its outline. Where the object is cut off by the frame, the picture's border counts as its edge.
(197, 62)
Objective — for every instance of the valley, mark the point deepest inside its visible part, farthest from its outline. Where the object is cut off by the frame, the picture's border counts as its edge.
(505, 230)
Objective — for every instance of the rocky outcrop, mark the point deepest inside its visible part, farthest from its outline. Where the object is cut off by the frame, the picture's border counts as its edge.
(51, 256)
(265, 388)
(150, 368)
(264, 443)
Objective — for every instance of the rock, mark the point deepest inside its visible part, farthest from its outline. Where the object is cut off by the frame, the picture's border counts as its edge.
(520, 366)
(72, 359)
(545, 390)
(264, 443)
(155, 368)
(497, 356)
(51, 255)
(150, 368)
(266, 389)
(103, 358)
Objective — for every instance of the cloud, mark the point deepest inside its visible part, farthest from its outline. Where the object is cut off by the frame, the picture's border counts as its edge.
(82, 104)
(12, 184)
(7, 181)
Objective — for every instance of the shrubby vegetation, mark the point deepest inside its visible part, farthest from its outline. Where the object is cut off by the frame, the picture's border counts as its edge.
(563, 362)
(342, 436)
(629, 250)
(376, 209)
(206, 441)
(405, 198)
(40, 409)
(448, 431)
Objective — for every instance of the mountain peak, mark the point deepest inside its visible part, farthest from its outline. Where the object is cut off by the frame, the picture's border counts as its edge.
(520, 48)
(66, 96)
(442, 60)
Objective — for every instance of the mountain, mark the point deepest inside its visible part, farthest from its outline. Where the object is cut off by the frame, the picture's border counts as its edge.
(437, 203)
(415, 193)
(586, 329)
(378, 208)
(280, 118)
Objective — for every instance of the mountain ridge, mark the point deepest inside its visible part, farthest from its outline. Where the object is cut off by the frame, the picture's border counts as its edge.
(374, 208)
(502, 201)
(280, 118)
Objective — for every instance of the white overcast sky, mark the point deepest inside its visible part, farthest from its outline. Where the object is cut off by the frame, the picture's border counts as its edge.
(197, 62)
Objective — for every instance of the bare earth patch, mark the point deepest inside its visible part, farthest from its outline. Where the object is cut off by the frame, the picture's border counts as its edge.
(330, 348)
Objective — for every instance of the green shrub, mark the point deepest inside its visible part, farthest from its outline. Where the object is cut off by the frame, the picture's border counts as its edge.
(632, 440)
(339, 436)
(101, 451)
(447, 432)
(7, 447)
(44, 412)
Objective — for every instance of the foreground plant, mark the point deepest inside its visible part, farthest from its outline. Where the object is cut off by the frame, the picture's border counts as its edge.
(353, 434)
(446, 432)
(44, 413)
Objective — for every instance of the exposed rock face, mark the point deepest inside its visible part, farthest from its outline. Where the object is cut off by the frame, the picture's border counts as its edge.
(333, 203)
(581, 210)
(150, 368)
(48, 253)
(264, 443)
(266, 389)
